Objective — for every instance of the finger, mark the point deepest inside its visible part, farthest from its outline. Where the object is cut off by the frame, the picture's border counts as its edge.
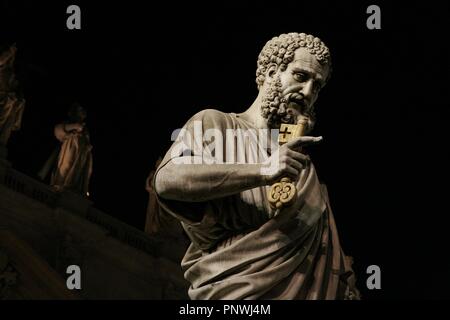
(295, 164)
(291, 172)
(300, 157)
(303, 141)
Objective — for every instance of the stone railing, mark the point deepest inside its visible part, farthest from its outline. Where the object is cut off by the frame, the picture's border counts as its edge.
(81, 206)
(30, 187)
(125, 233)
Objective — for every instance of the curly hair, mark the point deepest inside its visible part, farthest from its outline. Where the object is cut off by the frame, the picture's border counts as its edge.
(280, 51)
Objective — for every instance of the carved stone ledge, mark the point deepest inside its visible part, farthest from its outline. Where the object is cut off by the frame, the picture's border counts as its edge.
(8, 276)
(74, 202)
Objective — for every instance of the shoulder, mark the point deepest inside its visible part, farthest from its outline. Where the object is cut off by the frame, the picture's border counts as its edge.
(212, 118)
(60, 132)
(210, 114)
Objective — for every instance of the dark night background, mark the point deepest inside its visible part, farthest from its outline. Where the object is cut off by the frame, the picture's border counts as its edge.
(142, 71)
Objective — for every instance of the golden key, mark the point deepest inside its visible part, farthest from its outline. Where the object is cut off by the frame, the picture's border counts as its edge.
(283, 193)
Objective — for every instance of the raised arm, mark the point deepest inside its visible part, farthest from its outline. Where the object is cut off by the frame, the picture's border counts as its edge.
(63, 130)
(202, 182)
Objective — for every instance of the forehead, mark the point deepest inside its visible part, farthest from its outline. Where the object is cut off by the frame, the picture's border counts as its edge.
(306, 61)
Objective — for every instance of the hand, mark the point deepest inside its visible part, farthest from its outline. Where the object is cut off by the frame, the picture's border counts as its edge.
(78, 127)
(287, 161)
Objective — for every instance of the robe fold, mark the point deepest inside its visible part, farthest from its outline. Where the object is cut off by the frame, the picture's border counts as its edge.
(74, 164)
(11, 103)
(239, 250)
(11, 112)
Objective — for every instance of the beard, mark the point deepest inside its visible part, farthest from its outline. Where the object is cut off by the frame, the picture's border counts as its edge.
(278, 108)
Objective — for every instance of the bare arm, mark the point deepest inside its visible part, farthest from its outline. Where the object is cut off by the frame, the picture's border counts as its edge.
(202, 182)
(62, 130)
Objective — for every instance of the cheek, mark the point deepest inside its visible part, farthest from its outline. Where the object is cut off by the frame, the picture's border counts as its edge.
(290, 85)
(287, 81)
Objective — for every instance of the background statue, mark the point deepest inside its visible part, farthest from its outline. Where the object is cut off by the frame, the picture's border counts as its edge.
(72, 162)
(243, 247)
(12, 103)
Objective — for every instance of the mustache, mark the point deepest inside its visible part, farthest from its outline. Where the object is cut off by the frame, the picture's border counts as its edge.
(300, 100)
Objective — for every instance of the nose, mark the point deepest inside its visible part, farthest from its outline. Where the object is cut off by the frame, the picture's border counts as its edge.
(307, 90)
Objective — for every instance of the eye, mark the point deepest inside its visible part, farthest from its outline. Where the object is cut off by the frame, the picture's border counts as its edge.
(300, 76)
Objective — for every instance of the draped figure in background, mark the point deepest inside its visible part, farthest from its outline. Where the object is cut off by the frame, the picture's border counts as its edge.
(12, 103)
(72, 161)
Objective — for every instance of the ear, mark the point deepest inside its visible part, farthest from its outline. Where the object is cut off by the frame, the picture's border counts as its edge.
(271, 71)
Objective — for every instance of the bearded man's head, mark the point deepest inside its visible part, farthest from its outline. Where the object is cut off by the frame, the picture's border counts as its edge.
(277, 54)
